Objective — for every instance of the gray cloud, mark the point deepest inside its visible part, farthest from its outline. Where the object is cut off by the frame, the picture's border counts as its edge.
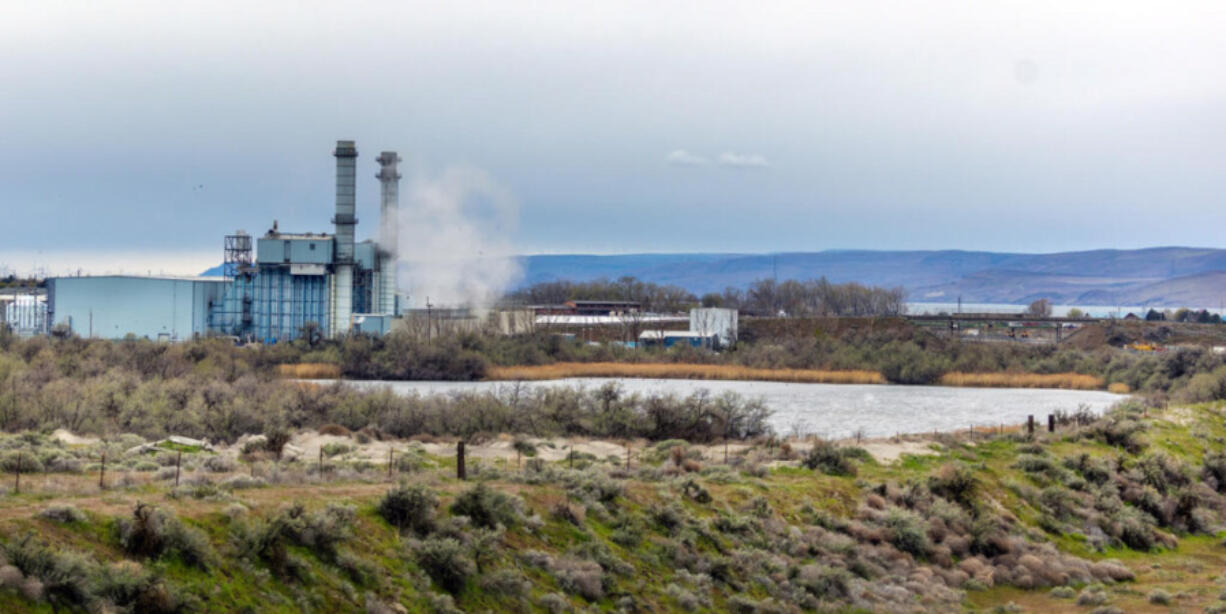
(681, 157)
(881, 124)
(739, 160)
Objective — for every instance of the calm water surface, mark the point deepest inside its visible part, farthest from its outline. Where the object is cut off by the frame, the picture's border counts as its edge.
(835, 410)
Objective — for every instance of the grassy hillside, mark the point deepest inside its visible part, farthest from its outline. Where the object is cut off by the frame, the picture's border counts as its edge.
(1119, 512)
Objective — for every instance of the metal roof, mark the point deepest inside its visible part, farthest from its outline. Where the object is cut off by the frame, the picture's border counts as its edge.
(216, 279)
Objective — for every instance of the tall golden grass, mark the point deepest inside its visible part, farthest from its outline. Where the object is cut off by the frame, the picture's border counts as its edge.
(309, 370)
(1119, 388)
(681, 371)
(1070, 381)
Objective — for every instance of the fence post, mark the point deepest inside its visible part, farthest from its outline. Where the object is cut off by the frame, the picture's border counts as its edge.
(178, 462)
(321, 461)
(17, 485)
(460, 471)
(102, 473)
(1051, 423)
(1030, 425)
(627, 455)
(389, 462)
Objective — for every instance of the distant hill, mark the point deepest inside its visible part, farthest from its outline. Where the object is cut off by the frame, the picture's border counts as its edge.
(1158, 276)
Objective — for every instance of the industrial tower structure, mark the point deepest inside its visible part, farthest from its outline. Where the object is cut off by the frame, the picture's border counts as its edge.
(389, 231)
(297, 281)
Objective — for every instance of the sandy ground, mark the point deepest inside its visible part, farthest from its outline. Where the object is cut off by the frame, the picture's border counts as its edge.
(887, 451)
(73, 440)
(307, 445)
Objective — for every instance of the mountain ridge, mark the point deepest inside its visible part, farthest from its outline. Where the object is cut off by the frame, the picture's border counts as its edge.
(1168, 276)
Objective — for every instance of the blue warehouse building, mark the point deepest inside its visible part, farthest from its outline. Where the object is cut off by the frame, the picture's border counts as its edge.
(273, 288)
(114, 306)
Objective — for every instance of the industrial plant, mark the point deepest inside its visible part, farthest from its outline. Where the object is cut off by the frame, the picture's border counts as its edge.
(273, 288)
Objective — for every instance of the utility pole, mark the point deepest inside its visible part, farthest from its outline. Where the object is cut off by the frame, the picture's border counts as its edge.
(429, 325)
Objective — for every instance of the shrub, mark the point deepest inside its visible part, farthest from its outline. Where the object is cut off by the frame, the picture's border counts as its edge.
(153, 533)
(29, 462)
(1159, 597)
(1117, 429)
(486, 507)
(336, 449)
(907, 532)
(1035, 464)
(1163, 472)
(445, 561)
(579, 576)
(695, 491)
(1063, 592)
(687, 600)
(132, 588)
(409, 507)
(505, 582)
(275, 441)
(955, 482)
(64, 514)
(1133, 531)
(241, 482)
(554, 603)
(323, 530)
(824, 582)
(824, 456)
(333, 429)
(1092, 595)
(64, 575)
(411, 460)
(568, 513)
(220, 464)
(320, 531)
(1213, 470)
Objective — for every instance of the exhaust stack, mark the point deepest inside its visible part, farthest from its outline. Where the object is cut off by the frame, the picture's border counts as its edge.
(389, 233)
(345, 221)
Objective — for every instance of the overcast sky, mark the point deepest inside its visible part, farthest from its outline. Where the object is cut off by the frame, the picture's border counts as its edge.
(157, 127)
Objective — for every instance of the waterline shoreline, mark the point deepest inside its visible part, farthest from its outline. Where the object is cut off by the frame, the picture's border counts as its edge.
(830, 411)
(693, 371)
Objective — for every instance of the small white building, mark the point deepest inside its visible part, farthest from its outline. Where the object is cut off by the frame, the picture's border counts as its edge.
(25, 314)
(717, 322)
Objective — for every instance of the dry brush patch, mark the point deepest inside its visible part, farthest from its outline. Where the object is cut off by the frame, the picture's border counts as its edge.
(683, 371)
(1069, 381)
(312, 370)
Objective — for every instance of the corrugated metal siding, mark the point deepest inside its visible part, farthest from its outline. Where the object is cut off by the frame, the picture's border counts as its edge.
(113, 307)
(284, 303)
(275, 250)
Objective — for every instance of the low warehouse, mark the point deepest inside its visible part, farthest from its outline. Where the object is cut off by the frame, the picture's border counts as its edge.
(114, 306)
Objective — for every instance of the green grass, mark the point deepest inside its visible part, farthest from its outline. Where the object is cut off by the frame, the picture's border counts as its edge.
(793, 494)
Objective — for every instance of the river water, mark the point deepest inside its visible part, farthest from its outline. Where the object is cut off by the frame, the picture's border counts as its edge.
(836, 410)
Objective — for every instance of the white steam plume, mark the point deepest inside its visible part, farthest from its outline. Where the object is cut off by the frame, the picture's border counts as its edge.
(455, 245)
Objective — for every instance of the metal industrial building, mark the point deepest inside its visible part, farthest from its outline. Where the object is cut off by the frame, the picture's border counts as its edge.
(272, 289)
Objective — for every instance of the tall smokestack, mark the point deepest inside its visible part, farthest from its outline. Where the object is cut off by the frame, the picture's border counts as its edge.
(345, 220)
(389, 233)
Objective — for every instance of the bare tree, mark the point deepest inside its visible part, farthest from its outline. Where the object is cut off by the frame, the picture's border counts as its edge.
(1039, 308)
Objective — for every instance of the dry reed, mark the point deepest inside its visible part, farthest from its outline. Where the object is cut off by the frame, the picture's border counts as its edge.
(1070, 381)
(309, 370)
(681, 371)
(1119, 388)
